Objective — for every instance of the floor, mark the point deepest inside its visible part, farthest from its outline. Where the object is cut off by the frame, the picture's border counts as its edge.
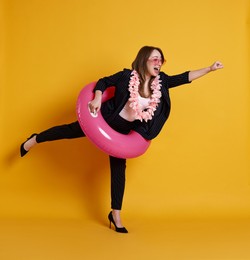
(176, 239)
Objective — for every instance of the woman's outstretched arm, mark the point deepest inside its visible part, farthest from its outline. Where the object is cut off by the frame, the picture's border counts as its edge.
(195, 74)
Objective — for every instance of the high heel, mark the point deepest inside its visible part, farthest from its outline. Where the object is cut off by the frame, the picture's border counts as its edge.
(22, 150)
(117, 229)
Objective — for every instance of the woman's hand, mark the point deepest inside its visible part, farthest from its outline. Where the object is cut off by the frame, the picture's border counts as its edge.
(95, 104)
(217, 65)
(195, 74)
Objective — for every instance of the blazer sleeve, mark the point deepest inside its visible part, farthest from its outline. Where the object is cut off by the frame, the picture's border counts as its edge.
(109, 81)
(177, 80)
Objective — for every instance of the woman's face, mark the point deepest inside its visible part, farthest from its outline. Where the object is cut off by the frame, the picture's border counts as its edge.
(154, 64)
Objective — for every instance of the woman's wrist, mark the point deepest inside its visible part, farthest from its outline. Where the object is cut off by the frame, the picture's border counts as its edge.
(98, 94)
(211, 68)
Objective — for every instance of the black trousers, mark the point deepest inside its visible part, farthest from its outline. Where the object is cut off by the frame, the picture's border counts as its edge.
(117, 165)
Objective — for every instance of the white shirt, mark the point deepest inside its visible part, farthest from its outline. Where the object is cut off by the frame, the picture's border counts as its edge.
(128, 113)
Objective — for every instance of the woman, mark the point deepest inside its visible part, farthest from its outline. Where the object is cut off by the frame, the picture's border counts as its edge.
(141, 103)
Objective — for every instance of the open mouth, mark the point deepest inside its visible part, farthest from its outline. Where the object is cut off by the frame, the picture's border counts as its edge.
(156, 69)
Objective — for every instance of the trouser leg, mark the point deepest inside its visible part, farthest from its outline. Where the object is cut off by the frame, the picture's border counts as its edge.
(66, 131)
(117, 168)
(117, 165)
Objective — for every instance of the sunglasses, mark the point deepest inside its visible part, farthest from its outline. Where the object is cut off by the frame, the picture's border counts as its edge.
(156, 61)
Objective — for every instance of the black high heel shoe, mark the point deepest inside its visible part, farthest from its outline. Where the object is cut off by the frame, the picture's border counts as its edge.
(117, 229)
(22, 150)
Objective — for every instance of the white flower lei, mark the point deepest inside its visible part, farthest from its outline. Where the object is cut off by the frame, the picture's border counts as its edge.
(148, 112)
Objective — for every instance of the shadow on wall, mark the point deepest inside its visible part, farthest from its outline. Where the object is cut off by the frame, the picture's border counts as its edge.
(75, 161)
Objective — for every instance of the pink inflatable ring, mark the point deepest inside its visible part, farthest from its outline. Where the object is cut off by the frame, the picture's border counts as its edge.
(101, 134)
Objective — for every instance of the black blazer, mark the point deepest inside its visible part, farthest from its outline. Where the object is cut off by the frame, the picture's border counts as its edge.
(111, 108)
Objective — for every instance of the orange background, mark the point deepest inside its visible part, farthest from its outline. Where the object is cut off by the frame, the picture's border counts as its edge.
(199, 165)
